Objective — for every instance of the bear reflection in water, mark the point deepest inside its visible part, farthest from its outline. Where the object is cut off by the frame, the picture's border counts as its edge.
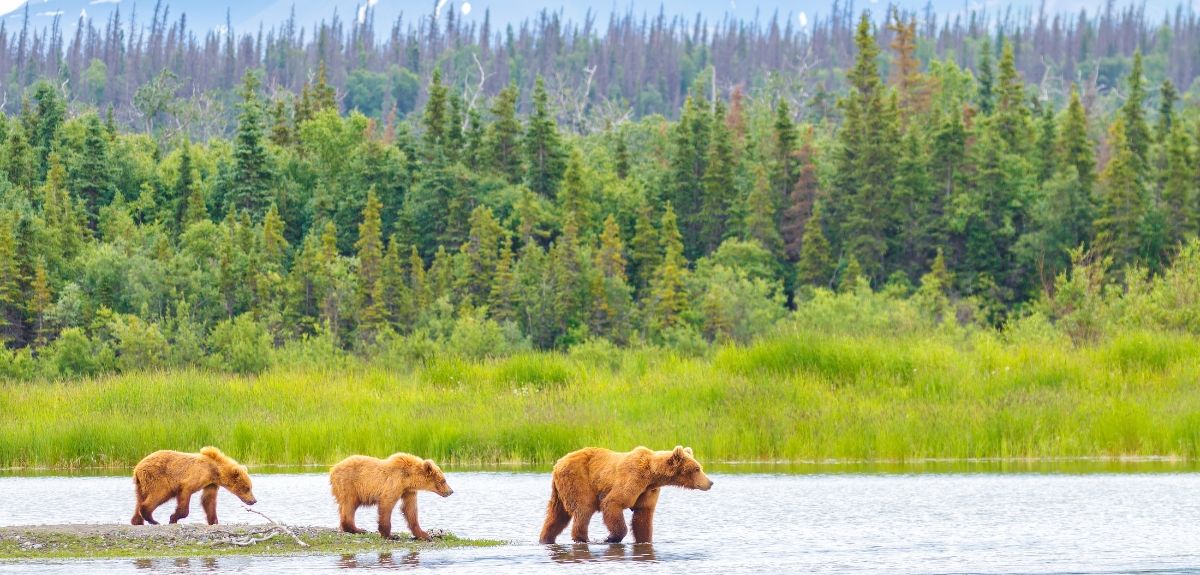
(581, 553)
(386, 560)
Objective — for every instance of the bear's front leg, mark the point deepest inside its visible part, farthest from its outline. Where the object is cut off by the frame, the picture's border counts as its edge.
(208, 500)
(409, 508)
(386, 506)
(643, 516)
(614, 518)
(183, 507)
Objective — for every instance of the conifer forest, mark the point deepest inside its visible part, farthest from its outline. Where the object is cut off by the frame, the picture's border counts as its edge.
(171, 199)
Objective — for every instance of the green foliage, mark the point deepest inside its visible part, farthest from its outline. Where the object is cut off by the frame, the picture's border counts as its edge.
(241, 345)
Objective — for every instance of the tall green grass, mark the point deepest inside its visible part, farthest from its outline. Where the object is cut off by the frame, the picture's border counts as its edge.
(800, 395)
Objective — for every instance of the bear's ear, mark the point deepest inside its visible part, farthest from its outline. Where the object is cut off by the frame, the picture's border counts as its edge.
(688, 451)
(676, 455)
(428, 466)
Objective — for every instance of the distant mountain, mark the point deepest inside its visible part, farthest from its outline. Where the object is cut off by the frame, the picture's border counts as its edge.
(246, 16)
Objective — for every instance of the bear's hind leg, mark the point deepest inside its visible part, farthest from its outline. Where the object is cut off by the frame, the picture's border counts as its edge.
(346, 511)
(150, 504)
(182, 507)
(557, 518)
(208, 500)
(137, 508)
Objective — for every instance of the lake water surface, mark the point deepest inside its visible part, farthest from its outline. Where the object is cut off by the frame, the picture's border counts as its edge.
(748, 523)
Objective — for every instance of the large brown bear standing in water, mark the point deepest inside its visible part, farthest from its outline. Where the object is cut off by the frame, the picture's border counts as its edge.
(594, 479)
(163, 475)
(359, 480)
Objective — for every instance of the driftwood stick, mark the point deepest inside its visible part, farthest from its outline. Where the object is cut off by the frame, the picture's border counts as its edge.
(280, 525)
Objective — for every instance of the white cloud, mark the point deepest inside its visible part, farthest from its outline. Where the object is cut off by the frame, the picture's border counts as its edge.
(438, 11)
(803, 19)
(362, 10)
(104, 2)
(466, 8)
(55, 13)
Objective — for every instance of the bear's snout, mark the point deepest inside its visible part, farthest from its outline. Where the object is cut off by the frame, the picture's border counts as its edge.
(447, 493)
(249, 500)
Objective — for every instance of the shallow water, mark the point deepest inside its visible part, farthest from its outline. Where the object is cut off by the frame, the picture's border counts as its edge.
(748, 523)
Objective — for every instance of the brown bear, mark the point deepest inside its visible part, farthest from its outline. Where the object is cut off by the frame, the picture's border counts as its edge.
(163, 475)
(359, 481)
(594, 479)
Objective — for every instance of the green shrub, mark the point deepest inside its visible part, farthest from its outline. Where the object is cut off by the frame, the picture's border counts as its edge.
(240, 345)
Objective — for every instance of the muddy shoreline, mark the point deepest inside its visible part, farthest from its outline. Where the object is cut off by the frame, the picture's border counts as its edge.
(94, 541)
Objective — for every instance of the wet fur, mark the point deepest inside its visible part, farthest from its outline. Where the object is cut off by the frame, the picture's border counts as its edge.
(165, 475)
(594, 479)
(359, 481)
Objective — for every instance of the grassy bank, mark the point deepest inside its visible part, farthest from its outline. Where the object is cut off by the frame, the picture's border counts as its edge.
(119, 541)
(798, 396)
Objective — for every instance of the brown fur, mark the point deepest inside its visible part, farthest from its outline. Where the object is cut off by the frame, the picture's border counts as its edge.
(359, 481)
(594, 479)
(164, 475)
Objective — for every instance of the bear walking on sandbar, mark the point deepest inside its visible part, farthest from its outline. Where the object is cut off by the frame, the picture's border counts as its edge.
(360, 481)
(163, 475)
(594, 479)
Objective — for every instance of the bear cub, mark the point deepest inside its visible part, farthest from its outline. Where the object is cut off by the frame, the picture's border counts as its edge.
(594, 479)
(359, 481)
(163, 475)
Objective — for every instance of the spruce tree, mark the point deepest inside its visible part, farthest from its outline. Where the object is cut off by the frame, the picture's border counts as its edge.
(622, 155)
(800, 204)
(434, 140)
(1179, 196)
(93, 178)
(689, 159)
(759, 224)
(371, 310)
(479, 255)
(10, 287)
(19, 159)
(1075, 147)
(986, 97)
(718, 183)
(177, 204)
(668, 298)
(39, 302)
(502, 139)
(1166, 109)
(196, 211)
(785, 148)
(1047, 144)
(1137, 132)
(544, 154)
(849, 280)
(328, 260)
(815, 267)
(503, 294)
(574, 195)
(1123, 205)
(644, 251)
(249, 186)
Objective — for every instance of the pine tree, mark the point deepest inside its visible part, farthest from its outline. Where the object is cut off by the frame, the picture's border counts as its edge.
(416, 279)
(1012, 117)
(502, 139)
(906, 72)
(816, 264)
(177, 204)
(689, 158)
(18, 161)
(324, 96)
(397, 296)
(370, 306)
(1124, 202)
(281, 128)
(609, 294)
(543, 148)
(249, 186)
(274, 246)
